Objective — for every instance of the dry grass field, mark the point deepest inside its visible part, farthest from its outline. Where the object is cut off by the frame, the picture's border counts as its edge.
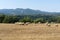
(29, 32)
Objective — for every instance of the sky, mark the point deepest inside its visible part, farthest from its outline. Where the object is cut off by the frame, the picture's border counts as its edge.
(43, 5)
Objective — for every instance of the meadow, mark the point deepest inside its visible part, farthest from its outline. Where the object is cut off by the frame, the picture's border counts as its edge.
(29, 32)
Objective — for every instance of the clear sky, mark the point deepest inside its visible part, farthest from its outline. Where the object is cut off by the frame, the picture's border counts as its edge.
(44, 5)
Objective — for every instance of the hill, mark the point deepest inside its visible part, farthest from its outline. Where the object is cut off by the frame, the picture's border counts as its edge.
(20, 11)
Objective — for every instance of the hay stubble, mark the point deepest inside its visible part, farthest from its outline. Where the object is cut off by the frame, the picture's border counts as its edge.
(29, 32)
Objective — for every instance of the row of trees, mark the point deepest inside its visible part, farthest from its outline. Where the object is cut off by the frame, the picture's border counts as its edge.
(8, 19)
(28, 18)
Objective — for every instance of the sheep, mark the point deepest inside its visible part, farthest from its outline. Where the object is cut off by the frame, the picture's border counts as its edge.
(56, 25)
(27, 23)
(48, 25)
(19, 23)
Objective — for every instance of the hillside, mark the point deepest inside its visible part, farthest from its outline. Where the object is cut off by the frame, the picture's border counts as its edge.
(20, 11)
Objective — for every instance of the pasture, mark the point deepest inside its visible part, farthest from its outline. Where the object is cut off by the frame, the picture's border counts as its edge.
(30, 32)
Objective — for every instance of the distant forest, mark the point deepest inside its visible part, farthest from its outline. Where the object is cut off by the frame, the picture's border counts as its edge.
(29, 18)
(28, 15)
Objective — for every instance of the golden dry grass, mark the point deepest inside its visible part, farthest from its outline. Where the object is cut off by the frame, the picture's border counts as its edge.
(29, 32)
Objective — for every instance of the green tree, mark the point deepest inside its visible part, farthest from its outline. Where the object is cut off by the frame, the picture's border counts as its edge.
(7, 19)
(41, 20)
(2, 18)
(26, 19)
(10, 19)
(57, 19)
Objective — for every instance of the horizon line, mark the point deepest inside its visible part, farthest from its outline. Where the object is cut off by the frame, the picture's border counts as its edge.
(30, 8)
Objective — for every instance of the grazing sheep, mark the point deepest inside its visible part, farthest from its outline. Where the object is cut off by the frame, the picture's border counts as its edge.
(56, 25)
(27, 23)
(48, 25)
(19, 23)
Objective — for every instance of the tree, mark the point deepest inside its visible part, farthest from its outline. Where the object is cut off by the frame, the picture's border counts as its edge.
(58, 19)
(41, 20)
(2, 18)
(14, 19)
(26, 19)
(7, 19)
(10, 19)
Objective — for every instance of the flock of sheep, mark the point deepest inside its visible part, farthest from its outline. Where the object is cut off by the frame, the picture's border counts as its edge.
(21, 23)
(47, 24)
(50, 25)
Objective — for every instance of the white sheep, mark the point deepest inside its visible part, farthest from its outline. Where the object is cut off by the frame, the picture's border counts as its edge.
(56, 25)
(27, 23)
(19, 23)
(48, 25)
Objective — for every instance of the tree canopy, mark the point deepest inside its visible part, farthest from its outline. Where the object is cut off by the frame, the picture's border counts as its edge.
(29, 18)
